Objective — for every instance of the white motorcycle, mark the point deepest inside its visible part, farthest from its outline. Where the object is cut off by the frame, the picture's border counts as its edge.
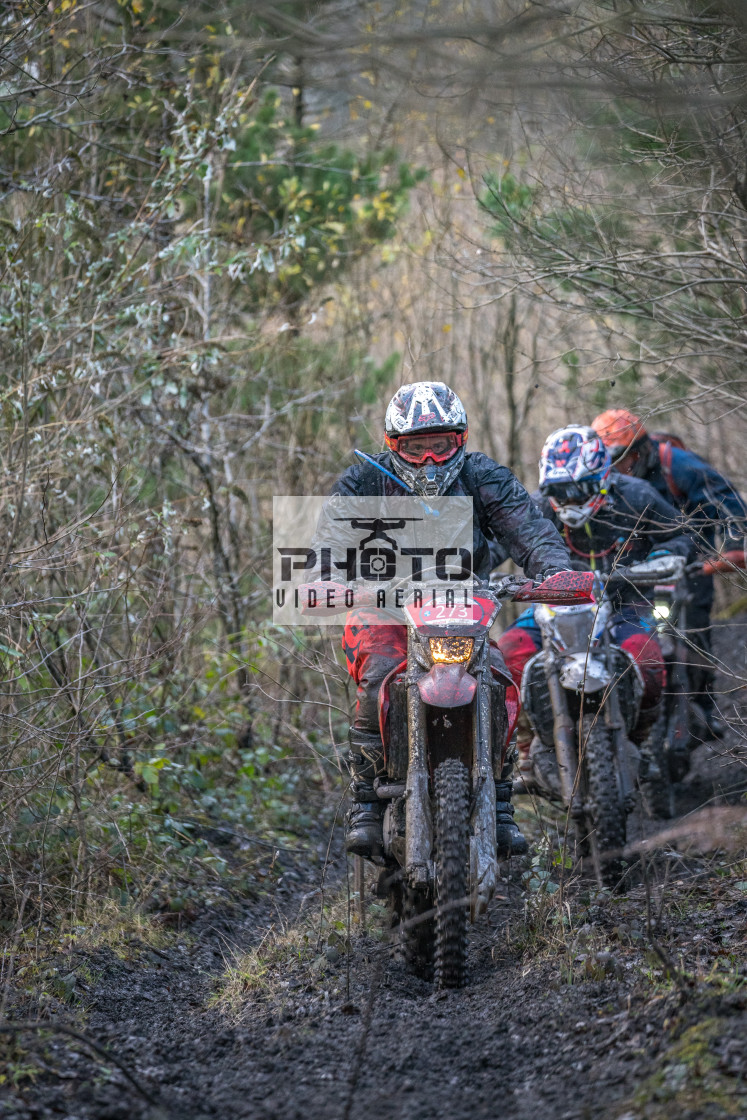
(582, 695)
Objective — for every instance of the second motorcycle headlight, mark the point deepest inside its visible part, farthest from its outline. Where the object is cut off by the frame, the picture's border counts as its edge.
(451, 650)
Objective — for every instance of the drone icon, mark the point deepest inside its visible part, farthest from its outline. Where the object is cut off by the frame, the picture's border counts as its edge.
(378, 527)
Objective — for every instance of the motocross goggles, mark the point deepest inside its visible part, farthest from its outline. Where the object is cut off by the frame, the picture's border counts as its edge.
(571, 493)
(418, 447)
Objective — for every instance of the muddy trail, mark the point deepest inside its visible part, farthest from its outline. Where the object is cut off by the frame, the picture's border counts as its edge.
(285, 1006)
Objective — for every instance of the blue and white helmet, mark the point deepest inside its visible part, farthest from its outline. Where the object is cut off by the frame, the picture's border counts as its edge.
(574, 471)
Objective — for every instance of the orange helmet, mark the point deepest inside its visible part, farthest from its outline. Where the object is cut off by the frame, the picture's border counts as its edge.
(619, 430)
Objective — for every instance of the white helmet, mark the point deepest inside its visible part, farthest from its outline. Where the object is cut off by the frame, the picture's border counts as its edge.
(426, 430)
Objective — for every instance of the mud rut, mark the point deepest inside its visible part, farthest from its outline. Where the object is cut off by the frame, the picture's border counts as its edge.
(359, 1037)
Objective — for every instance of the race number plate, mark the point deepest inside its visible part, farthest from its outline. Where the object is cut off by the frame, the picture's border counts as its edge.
(434, 611)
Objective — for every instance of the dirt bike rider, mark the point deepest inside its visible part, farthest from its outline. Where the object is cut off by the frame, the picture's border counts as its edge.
(706, 498)
(607, 520)
(425, 435)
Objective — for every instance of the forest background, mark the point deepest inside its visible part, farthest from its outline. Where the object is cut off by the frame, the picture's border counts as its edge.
(227, 233)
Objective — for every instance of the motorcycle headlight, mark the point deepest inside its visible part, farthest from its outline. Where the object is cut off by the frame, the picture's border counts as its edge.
(451, 650)
(661, 610)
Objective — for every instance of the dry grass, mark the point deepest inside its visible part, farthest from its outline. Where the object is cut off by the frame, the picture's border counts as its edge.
(300, 952)
(107, 924)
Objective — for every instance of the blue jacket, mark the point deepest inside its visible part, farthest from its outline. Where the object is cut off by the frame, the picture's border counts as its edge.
(703, 494)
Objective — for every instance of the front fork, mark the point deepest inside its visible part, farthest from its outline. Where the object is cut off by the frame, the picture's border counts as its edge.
(614, 718)
(418, 818)
(482, 851)
(564, 735)
(566, 749)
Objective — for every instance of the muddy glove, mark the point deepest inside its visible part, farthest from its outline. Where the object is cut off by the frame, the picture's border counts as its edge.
(547, 572)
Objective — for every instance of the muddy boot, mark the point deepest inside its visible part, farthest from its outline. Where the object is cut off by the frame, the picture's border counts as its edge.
(509, 839)
(363, 835)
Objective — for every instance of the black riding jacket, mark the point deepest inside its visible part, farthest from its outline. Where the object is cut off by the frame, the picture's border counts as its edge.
(504, 515)
(634, 522)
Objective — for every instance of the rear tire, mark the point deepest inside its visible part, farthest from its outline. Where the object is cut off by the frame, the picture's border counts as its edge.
(451, 828)
(606, 816)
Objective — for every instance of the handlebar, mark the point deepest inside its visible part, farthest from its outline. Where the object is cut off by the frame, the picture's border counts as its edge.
(564, 587)
(561, 588)
(666, 569)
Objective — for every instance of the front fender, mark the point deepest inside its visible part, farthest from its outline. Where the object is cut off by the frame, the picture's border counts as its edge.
(582, 672)
(447, 686)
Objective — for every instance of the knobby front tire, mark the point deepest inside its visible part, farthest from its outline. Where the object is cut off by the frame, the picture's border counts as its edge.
(451, 828)
(606, 816)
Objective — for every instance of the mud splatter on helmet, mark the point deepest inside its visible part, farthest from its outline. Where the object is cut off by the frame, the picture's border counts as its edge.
(575, 468)
(426, 430)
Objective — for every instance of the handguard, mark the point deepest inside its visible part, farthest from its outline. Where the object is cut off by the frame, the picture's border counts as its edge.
(665, 568)
(562, 588)
(729, 561)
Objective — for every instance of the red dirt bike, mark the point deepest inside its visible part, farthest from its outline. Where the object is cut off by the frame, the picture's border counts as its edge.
(445, 723)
